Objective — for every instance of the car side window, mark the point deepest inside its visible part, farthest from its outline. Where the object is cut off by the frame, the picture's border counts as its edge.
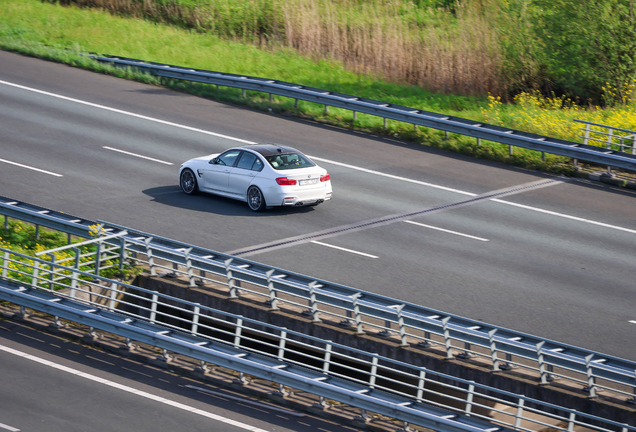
(228, 158)
(258, 165)
(246, 161)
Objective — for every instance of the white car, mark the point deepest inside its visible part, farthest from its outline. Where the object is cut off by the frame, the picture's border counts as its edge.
(263, 175)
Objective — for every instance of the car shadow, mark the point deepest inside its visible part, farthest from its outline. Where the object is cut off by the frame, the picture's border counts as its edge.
(173, 196)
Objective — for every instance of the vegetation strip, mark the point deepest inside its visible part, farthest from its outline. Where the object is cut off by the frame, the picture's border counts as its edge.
(26, 25)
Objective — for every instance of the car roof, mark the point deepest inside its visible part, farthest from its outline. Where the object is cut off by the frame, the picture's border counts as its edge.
(270, 149)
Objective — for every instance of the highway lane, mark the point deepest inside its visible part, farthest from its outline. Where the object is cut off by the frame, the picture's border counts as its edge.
(51, 384)
(543, 273)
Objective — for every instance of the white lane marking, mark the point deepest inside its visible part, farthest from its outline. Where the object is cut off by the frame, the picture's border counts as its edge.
(137, 155)
(378, 173)
(578, 219)
(447, 231)
(552, 213)
(31, 168)
(9, 428)
(124, 112)
(633, 322)
(344, 249)
(132, 390)
(318, 159)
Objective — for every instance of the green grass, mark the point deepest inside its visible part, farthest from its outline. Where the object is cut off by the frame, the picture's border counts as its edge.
(62, 33)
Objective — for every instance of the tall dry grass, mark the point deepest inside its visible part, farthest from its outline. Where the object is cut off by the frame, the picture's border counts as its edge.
(435, 49)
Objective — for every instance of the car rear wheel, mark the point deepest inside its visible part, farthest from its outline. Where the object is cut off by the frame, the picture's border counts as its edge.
(255, 199)
(188, 182)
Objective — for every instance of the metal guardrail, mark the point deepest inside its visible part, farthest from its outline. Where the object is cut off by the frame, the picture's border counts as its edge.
(412, 324)
(333, 371)
(511, 137)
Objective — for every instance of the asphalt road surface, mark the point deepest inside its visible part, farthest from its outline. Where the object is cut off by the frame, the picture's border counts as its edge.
(555, 261)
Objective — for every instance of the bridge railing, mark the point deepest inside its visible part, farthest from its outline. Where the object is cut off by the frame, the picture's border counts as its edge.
(409, 323)
(330, 370)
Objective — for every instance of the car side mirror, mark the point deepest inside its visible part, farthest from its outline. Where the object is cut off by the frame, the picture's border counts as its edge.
(214, 161)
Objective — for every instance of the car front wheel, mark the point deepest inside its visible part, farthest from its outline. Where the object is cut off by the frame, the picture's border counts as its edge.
(188, 182)
(255, 199)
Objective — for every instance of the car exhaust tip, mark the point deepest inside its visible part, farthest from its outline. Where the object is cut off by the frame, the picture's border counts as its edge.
(299, 203)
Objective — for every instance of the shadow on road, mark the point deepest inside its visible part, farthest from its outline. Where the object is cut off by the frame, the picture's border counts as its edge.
(206, 203)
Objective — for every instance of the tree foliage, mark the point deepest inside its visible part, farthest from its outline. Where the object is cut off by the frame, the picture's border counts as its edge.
(587, 45)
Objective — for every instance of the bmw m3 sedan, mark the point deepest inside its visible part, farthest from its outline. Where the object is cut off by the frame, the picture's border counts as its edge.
(263, 175)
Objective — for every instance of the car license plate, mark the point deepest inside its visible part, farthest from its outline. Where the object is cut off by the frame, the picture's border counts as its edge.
(308, 182)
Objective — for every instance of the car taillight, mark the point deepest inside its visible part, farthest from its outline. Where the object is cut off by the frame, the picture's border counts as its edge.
(325, 178)
(284, 181)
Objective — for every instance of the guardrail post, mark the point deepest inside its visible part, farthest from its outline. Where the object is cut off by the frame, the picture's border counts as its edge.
(355, 116)
(571, 423)
(98, 258)
(51, 271)
(591, 386)
(6, 222)
(244, 96)
(151, 260)
(326, 109)
(493, 350)
(356, 311)
(37, 232)
(478, 142)
(281, 344)
(188, 261)
(510, 151)
(74, 274)
(447, 340)
(546, 377)
(374, 370)
(153, 308)
(195, 319)
(385, 123)
(519, 415)
(273, 301)
(403, 341)
(421, 382)
(469, 399)
(327, 359)
(122, 254)
(315, 313)
(230, 279)
(113, 296)
(35, 274)
(237, 333)
(5, 265)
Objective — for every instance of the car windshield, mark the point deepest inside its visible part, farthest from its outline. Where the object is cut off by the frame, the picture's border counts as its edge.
(285, 161)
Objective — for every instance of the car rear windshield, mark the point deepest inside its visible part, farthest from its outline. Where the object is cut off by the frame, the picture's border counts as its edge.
(287, 161)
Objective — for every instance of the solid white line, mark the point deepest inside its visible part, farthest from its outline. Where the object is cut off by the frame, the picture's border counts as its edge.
(566, 216)
(313, 157)
(633, 322)
(344, 249)
(124, 112)
(378, 173)
(31, 168)
(132, 390)
(137, 155)
(9, 428)
(447, 231)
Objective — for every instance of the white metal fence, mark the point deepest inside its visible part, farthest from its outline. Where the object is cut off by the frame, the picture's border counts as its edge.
(348, 371)
(412, 324)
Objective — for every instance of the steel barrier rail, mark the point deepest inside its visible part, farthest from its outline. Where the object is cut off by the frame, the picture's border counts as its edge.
(261, 367)
(594, 371)
(288, 343)
(413, 116)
